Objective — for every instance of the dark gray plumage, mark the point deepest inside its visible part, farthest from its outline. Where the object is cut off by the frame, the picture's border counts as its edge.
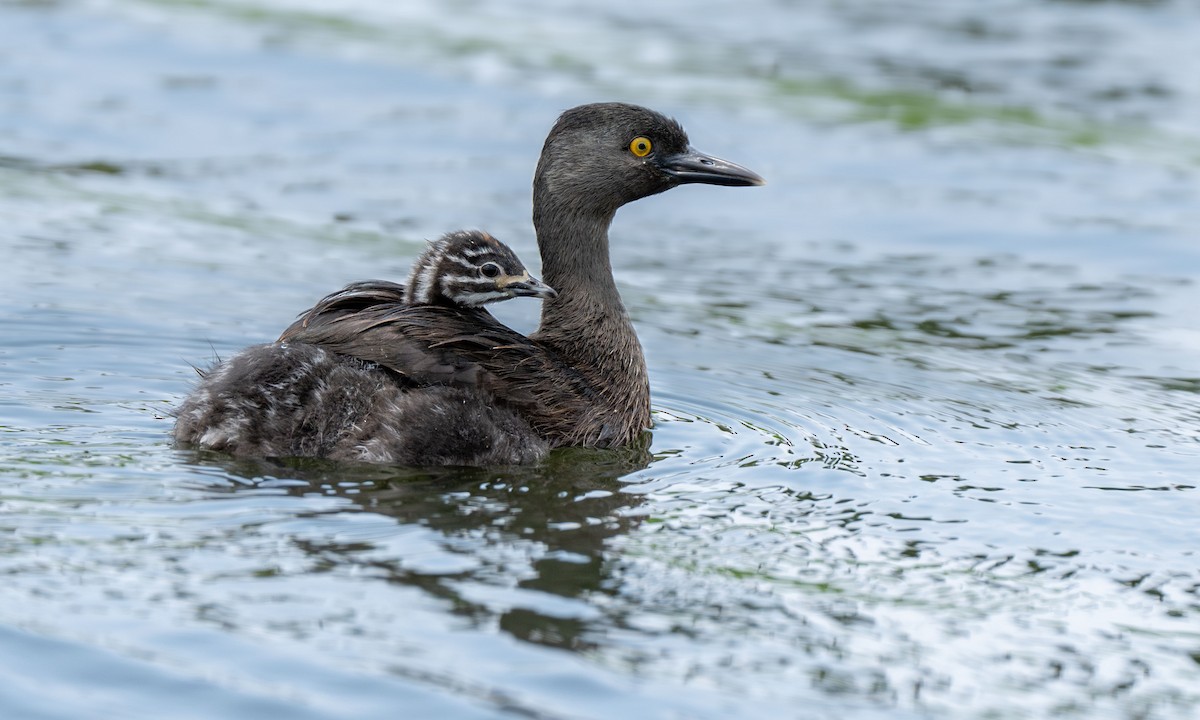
(300, 399)
(369, 374)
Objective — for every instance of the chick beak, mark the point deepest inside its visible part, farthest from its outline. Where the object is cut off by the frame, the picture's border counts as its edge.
(526, 286)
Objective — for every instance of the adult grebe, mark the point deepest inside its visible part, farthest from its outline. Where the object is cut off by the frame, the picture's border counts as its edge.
(451, 385)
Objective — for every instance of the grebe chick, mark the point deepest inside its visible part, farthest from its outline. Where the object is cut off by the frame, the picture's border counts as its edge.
(470, 268)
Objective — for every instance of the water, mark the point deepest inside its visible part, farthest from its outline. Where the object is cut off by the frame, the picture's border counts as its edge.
(927, 424)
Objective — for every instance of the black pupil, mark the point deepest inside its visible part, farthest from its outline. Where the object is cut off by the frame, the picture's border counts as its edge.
(641, 147)
(491, 270)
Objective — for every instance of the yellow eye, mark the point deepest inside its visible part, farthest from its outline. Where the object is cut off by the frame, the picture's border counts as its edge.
(640, 146)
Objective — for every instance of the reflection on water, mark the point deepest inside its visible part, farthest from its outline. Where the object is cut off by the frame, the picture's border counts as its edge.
(556, 517)
(926, 412)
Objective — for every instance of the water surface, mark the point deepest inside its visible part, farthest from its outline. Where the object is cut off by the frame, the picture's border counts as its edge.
(927, 423)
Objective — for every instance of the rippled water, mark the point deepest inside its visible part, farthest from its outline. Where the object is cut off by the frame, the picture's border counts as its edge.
(927, 416)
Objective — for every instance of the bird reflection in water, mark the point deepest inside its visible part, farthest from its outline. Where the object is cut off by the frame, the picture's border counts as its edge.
(560, 514)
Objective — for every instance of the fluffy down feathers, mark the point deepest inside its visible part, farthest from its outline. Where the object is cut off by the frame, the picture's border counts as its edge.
(302, 400)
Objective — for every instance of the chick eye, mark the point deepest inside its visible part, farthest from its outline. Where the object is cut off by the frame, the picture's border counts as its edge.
(490, 270)
(640, 146)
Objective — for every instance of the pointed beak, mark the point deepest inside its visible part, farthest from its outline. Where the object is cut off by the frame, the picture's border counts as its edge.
(527, 286)
(693, 166)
